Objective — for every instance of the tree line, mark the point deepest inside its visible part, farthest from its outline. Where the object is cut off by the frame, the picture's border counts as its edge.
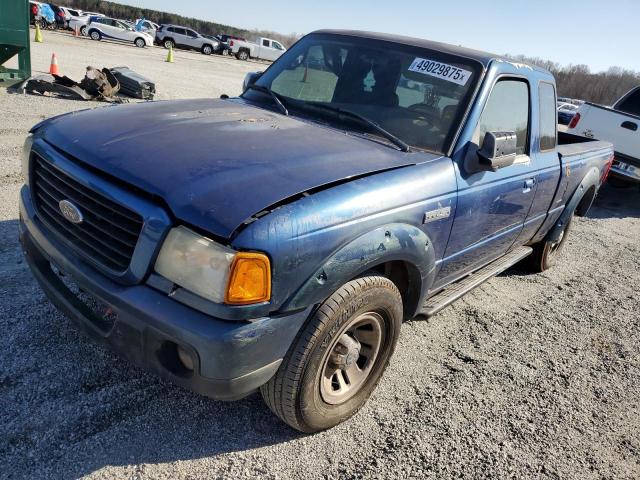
(127, 12)
(577, 81)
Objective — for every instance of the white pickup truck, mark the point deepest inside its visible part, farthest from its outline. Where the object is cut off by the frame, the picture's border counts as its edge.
(620, 125)
(263, 49)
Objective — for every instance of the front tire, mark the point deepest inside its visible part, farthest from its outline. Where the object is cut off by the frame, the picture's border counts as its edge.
(140, 43)
(339, 356)
(83, 30)
(168, 44)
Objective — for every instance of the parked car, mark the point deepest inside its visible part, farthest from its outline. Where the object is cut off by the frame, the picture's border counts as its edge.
(263, 49)
(369, 203)
(43, 15)
(222, 48)
(617, 124)
(171, 36)
(68, 14)
(60, 16)
(113, 29)
(147, 26)
(566, 112)
(226, 38)
(80, 22)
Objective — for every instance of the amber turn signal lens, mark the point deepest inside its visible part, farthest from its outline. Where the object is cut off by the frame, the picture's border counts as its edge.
(250, 279)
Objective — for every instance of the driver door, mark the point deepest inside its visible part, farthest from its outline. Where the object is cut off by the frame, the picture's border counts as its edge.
(493, 205)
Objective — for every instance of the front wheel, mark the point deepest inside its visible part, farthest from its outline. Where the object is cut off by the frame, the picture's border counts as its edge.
(83, 30)
(140, 43)
(168, 44)
(338, 357)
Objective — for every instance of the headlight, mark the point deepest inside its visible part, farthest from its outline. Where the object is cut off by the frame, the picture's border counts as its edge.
(213, 271)
(26, 153)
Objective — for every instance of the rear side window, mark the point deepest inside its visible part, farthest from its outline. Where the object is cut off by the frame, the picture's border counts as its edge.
(630, 104)
(180, 31)
(265, 43)
(507, 110)
(548, 116)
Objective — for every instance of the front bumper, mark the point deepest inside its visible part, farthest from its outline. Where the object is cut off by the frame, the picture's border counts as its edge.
(231, 359)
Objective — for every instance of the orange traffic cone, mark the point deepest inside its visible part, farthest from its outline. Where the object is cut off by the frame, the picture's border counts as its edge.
(76, 31)
(53, 69)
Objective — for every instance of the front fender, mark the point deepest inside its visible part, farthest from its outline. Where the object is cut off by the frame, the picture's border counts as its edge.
(590, 180)
(393, 242)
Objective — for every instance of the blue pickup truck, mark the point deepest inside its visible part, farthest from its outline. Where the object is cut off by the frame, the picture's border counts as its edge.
(276, 241)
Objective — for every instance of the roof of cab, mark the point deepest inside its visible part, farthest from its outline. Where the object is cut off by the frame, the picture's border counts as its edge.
(484, 58)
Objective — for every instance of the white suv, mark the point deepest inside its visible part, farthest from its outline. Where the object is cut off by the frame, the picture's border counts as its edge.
(112, 29)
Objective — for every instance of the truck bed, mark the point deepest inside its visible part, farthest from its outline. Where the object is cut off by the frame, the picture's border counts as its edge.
(570, 145)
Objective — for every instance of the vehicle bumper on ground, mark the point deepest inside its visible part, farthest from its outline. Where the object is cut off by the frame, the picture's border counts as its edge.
(230, 359)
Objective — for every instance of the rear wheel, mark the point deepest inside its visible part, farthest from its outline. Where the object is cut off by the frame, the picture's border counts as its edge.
(545, 253)
(338, 357)
(168, 44)
(140, 43)
(83, 30)
(95, 35)
(242, 55)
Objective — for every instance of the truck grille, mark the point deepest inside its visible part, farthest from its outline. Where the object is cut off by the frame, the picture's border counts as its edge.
(108, 232)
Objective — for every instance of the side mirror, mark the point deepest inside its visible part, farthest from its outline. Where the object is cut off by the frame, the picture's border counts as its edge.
(498, 150)
(250, 78)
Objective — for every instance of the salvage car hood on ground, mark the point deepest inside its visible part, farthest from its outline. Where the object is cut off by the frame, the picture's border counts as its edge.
(215, 162)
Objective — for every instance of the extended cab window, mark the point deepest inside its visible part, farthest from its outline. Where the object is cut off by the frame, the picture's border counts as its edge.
(417, 95)
(265, 43)
(507, 110)
(548, 116)
(630, 104)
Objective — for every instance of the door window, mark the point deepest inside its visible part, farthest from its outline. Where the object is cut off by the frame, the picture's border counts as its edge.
(180, 31)
(548, 116)
(192, 34)
(277, 46)
(507, 110)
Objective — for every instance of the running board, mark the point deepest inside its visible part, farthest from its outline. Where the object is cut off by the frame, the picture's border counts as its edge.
(453, 292)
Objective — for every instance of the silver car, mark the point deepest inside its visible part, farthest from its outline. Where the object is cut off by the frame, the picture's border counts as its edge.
(171, 36)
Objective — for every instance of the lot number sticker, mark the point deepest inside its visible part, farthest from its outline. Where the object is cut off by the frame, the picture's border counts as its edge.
(440, 70)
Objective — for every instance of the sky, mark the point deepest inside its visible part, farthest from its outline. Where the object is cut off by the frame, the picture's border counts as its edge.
(598, 33)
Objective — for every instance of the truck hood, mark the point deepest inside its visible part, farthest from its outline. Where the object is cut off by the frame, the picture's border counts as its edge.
(215, 163)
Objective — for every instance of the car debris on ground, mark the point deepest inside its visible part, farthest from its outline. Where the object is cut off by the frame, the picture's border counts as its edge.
(101, 85)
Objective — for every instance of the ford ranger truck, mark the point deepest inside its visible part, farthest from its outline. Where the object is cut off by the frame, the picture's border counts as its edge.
(276, 241)
(617, 124)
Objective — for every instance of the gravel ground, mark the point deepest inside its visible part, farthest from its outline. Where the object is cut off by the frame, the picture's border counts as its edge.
(528, 376)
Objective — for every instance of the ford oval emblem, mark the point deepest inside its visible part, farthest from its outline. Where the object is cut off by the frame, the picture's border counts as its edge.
(70, 211)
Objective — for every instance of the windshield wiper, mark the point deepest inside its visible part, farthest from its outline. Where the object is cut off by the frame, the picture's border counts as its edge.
(274, 95)
(364, 120)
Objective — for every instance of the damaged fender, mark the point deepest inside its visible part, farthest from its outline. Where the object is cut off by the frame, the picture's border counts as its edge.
(393, 242)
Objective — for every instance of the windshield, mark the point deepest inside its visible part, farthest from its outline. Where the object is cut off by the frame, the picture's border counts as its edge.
(418, 95)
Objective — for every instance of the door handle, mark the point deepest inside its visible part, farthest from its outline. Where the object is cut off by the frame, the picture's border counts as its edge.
(529, 183)
(630, 126)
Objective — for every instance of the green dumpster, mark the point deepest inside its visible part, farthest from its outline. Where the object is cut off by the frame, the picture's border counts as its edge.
(14, 40)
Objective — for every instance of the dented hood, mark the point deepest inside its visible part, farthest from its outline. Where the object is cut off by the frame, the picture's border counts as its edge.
(216, 163)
